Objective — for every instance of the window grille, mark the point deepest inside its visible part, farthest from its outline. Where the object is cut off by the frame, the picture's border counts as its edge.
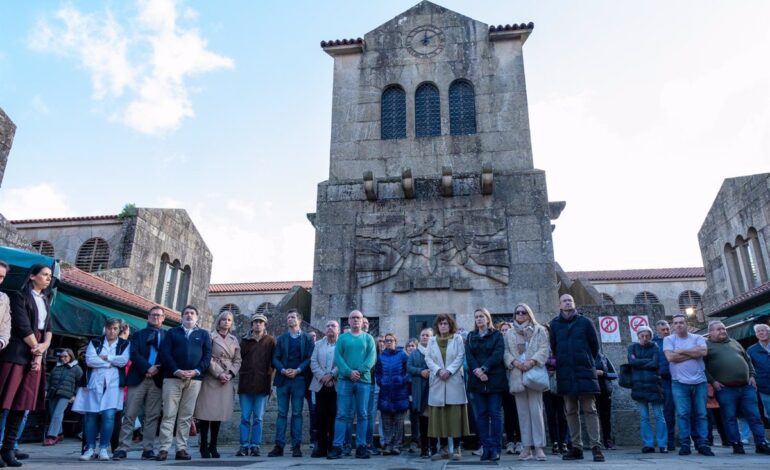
(645, 297)
(427, 111)
(393, 113)
(266, 308)
(232, 308)
(44, 247)
(688, 299)
(462, 108)
(93, 255)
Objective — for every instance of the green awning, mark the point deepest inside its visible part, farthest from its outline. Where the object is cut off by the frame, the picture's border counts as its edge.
(741, 325)
(78, 317)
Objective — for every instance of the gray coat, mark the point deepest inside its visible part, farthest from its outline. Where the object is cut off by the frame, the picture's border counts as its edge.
(414, 366)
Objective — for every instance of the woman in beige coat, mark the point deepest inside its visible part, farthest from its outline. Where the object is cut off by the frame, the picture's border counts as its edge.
(526, 346)
(215, 400)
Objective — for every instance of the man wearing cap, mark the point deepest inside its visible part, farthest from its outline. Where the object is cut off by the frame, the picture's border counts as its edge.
(256, 377)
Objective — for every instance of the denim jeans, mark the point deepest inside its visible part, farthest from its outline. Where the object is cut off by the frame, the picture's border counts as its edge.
(740, 400)
(690, 401)
(661, 431)
(293, 390)
(352, 398)
(104, 431)
(766, 404)
(374, 397)
(252, 410)
(57, 406)
(669, 410)
(489, 419)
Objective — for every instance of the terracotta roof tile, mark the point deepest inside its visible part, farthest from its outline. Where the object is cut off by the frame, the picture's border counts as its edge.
(739, 299)
(511, 27)
(257, 286)
(638, 274)
(65, 219)
(341, 42)
(79, 278)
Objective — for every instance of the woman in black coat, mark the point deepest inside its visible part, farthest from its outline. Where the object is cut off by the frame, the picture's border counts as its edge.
(419, 372)
(647, 389)
(62, 386)
(22, 372)
(484, 351)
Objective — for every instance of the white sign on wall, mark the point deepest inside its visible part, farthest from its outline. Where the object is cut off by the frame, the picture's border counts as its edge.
(609, 329)
(635, 322)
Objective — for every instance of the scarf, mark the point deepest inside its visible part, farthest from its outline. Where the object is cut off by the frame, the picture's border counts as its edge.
(522, 334)
(422, 349)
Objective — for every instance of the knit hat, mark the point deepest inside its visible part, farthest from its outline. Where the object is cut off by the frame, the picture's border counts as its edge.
(644, 328)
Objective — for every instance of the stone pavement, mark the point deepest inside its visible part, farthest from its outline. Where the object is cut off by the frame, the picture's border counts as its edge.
(65, 456)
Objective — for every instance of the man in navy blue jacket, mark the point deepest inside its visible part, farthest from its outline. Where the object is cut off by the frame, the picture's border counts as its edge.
(144, 383)
(663, 329)
(291, 360)
(185, 355)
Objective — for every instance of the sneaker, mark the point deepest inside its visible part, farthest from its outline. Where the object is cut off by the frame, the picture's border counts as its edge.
(706, 451)
(395, 451)
(518, 447)
(597, 453)
(347, 451)
(684, 450)
(148, 455)
(573, 454)
(510, 449)
(663, 450)
(119, 455)
(763, 449)
(414, 448)
(334, 454)
(555, 449)
(242, 452)
(87, 455)
(457, 455)
(362, 452)
(255, 452)
(373, 450)
(104, 454)
(738, 449)
(296, 451)
(276, 452)
(478, 452)
(648, 450)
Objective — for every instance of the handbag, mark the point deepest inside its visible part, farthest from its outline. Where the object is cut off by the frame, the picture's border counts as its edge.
(624, 378)
(537, 379)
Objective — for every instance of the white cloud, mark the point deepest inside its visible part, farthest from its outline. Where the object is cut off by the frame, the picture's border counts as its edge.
(149, 61)
(41, 200)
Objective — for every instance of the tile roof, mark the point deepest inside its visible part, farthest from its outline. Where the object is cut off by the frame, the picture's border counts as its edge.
(65, 219)
(87, 281)
(511, 27)
(342, 42)
(762, 289)
(639, 274)
(257, 286)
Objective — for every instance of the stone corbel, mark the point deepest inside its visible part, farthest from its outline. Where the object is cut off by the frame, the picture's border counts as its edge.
(370, 186)
(407, 183)
(486, 181)
(446, 181)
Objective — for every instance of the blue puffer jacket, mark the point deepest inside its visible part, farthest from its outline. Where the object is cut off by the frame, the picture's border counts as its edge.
(647, 386)
(392, 377)
(760, 357)
(575, 345)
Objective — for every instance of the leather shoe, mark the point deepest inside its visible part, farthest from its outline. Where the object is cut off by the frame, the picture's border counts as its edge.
(182, 455)
(148, 455)
(162, 455)
(494, 456)
(485, 455)
(9, 457)
(334, 454)
(119, 455)
(20, 455)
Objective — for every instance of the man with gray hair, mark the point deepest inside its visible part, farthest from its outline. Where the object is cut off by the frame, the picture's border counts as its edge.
(760, 358)
(324, 385)
(731, 373)
(662, 330)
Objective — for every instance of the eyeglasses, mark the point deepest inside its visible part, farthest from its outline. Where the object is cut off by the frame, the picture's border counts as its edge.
(519, 312)
(390, 341)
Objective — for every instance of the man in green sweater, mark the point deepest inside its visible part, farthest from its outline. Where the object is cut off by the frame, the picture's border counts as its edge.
(730, 372)
(354, 356)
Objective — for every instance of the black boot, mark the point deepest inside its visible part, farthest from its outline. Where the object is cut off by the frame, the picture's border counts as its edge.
(214, 438)
(203, 439)
(9, 457)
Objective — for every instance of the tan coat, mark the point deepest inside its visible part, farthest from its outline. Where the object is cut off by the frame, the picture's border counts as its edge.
(215, 400)
(538, 350)
(451, 391)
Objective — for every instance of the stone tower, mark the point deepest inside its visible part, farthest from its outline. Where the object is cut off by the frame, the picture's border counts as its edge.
(432, 203)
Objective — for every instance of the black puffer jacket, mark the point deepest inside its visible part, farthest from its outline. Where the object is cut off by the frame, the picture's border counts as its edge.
(645, 376)
(64, 380)
(487, 352)
(575, 345)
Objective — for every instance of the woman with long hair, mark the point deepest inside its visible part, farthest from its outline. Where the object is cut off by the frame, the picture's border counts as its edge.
(526, 347)
(447, 402)
(62, 385)
(22, 370)
(215, 400)
(484, 350)
(102, 397)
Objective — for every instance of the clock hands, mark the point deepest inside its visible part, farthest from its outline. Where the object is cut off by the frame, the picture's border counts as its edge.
(426, 39)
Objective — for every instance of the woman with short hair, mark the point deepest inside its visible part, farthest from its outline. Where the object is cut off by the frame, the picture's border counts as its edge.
(62, 385)
(647, 389)
(393, 379)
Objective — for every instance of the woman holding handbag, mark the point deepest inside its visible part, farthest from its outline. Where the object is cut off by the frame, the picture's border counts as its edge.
(526, 351)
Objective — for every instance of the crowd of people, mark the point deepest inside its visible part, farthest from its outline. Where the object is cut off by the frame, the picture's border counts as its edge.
(506, 384)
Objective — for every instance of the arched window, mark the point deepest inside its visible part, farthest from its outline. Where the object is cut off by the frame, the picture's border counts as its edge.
(645, 297)
(607, 299)
(266, 308)
(688, 299)
(427, 111)
(393, 113)
(462, 108)
(232, 308)
(173, 276)
(93, 255)
(734, 271)
(44, 247)
(752, 252)
(184, 287)
(161, 285)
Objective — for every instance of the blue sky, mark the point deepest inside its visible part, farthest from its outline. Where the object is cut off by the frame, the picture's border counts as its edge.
(638, 111)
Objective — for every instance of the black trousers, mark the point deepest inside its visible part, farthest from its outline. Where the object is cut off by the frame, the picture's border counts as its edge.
(511, 419)
(208, 443)
(326, 411)
(604, 408)
(557, 418)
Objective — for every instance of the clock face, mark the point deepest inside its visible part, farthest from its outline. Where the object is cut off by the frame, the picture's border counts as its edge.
(425, 41)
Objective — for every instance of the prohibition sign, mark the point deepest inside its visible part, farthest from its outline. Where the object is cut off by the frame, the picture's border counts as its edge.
(609, 325)
(638, 322)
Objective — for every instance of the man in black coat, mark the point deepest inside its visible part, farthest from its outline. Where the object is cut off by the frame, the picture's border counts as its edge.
(575, 344)
(144, 383)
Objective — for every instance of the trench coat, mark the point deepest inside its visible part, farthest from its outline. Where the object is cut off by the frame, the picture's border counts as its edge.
(451, 391)
(215, 400)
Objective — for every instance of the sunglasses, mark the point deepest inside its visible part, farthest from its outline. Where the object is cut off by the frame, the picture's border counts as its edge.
(521, 313)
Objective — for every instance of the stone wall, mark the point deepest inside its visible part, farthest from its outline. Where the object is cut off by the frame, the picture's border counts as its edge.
(7, 131)
(247, 304)
(68, 236)
(667, 291)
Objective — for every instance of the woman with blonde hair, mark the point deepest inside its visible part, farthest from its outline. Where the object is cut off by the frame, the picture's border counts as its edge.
(526, 348)
(215, 400)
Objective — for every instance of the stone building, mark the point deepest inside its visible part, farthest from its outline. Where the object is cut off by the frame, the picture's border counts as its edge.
(157, 254)
(433, 204)
(8, 235)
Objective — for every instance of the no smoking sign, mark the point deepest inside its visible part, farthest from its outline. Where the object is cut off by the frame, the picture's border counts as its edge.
(635, 322)
(608, 329)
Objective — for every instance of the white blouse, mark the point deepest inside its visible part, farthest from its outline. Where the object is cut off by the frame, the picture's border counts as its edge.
(103, 391)
(42, 310)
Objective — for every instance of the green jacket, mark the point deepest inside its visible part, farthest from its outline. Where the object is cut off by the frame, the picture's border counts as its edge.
(727, 363)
